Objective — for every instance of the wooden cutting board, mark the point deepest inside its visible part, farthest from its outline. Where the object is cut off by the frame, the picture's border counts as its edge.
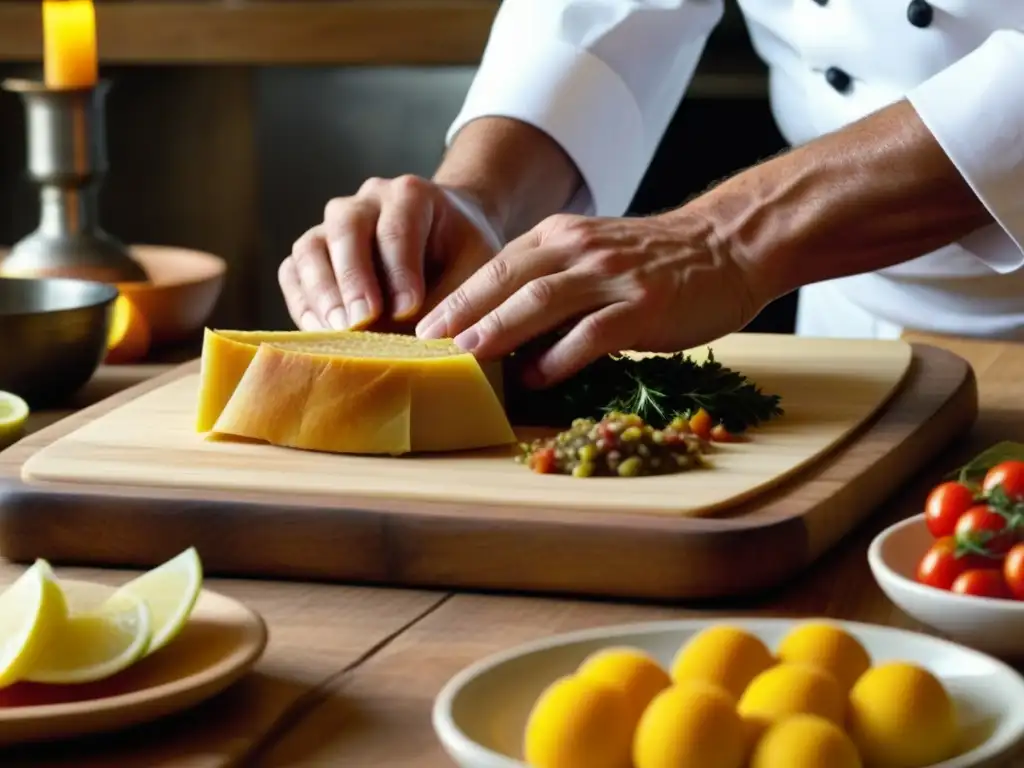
(827, 389)
(861, 416)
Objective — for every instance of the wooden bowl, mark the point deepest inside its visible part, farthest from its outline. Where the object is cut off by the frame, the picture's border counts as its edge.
(183, 289)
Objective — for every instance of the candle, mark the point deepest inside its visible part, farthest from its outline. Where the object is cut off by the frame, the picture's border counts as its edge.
(69, 43)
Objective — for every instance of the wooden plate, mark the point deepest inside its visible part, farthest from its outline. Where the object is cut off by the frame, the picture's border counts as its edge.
(221, 642)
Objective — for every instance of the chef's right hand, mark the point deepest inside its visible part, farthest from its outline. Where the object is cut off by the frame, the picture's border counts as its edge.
(389, 252)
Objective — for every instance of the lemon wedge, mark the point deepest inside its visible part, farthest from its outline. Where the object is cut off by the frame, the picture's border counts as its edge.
(13, 413)
(32, 611)
(170, 590)
(104, 633)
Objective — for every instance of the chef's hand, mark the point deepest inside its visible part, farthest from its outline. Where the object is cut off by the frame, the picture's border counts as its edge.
(371, 259)
(647, 284)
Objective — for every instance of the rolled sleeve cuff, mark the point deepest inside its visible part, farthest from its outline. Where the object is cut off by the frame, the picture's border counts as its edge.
(577, 100)
(975, 110)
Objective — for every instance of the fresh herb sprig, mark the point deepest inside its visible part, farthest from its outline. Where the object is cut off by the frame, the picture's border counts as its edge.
(657, 388)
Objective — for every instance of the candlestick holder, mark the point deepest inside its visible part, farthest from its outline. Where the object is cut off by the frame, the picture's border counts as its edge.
(67, 160)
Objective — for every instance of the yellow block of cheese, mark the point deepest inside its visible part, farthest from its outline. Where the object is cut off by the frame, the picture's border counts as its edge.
(348, 392)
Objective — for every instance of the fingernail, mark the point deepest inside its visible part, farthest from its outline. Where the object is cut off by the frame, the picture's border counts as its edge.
(467, 340)
(358, 313)
(431, 329)
(310, 322)
(337, 319)
(405, 304)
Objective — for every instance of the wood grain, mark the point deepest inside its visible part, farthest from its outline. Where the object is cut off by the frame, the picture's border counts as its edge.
(828, 391)
(281, 32)
(432, 544)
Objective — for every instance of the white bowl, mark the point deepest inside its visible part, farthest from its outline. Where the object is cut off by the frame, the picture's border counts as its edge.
(480, 714)
(986, 624)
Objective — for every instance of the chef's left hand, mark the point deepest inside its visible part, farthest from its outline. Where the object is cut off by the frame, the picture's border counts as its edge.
(656, 284)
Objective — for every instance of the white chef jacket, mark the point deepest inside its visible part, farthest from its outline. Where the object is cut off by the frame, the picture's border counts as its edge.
(604, 78)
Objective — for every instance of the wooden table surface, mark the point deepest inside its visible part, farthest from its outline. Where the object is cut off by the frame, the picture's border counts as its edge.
(350, 673)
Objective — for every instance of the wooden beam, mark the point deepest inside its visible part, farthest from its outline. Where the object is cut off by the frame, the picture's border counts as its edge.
(271, 32)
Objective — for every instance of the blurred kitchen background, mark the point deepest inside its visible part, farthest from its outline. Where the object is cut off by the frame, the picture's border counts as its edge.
(231, 123)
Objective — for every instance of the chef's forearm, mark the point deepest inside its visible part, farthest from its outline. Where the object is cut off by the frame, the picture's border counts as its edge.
(517, 174)
(876, 193)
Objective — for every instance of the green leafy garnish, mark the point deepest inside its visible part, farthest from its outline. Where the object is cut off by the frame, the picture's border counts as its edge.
(974, 470)
(657, 389)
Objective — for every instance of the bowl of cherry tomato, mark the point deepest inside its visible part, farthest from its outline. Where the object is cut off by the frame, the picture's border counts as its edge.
(959, 566)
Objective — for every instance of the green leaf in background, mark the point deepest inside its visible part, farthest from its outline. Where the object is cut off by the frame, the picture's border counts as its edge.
(974, 470)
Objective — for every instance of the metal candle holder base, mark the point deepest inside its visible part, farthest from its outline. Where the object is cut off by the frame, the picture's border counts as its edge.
(67, 159)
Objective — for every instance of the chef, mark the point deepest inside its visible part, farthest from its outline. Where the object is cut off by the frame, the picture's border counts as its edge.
(899, 206)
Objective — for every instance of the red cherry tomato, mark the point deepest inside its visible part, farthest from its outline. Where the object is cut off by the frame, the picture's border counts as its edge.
(941, 564)
(982, 526)
(1009, 475)
(944, 506)
(982, 582)
(719, 434)
(543, 461)
(1013, 571)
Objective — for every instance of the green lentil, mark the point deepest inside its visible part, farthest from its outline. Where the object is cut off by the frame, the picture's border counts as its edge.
(583, 470)
(630, 467)
(620, 445)
(632, 433)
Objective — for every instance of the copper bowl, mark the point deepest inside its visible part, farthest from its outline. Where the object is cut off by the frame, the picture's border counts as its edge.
(181, 293)
(53, 336)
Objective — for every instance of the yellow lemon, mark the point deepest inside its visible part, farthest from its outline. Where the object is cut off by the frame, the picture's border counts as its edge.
(639, 677)
(578, 723)
(129, 337)
(805, 741)
(722, 655)
(828, 647)
(690, 725)
(33, 612)
(14, 412)
(790, 689)
(901, 716)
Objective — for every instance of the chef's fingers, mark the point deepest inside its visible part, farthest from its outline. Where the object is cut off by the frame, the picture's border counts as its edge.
(402, 231)
(600, 333)
(487, 288)
(349, 227)
(295, 301)
(319, 288)
(541, 305)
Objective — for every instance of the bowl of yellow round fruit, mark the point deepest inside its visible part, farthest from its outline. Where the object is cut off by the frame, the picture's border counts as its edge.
(767, 693)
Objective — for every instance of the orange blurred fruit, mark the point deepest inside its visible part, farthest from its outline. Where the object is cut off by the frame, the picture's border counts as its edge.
(791, 689)
(693, 724)
(579, 723)
(827, 647)
(805, 741)
(129, 338)
(901, 715)
(638, 676)
(723, 655)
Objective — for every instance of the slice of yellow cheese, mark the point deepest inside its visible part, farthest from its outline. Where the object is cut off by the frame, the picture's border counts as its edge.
(225, 358)
(348, 392)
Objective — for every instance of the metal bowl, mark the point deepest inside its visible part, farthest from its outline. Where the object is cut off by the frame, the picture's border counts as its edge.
(53, 336)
